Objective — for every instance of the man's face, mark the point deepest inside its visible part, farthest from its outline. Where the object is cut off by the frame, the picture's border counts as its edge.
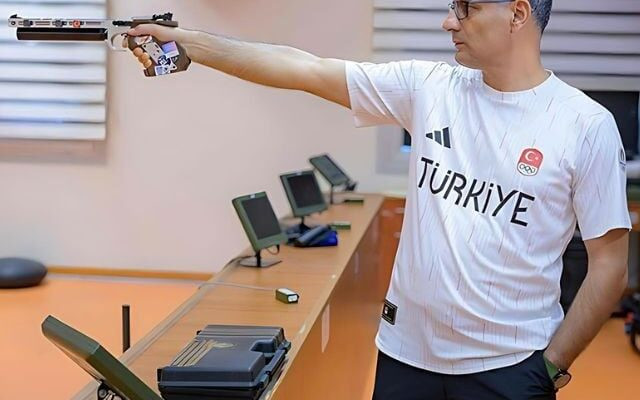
(482, 39)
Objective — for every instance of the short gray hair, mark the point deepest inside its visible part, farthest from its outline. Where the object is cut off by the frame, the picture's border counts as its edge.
(541, 10)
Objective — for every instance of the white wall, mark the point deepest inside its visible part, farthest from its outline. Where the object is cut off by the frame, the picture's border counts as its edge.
(157, 194)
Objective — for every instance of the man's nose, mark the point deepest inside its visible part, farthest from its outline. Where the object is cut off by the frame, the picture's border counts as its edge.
(451, 23)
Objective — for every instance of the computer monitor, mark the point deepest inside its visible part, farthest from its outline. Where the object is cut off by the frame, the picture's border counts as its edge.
(304, 193)
(330, 170)
(332, 173)
(97, 362)
(625, 108)
(261, 226)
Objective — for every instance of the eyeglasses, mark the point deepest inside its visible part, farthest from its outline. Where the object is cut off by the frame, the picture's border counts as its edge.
(461, 8)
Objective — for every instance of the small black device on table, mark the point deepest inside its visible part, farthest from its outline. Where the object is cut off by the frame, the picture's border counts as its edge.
(225, 362)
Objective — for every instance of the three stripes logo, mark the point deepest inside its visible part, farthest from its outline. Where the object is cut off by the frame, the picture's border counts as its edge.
(441, 137)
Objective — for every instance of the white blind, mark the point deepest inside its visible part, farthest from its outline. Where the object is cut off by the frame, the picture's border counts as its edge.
(52, 90)
(591, 44)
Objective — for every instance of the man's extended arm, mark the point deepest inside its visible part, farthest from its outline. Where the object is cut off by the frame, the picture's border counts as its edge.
(601, 290)
(265, 64)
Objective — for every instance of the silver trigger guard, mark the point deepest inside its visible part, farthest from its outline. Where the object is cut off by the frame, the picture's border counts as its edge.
(118, 47)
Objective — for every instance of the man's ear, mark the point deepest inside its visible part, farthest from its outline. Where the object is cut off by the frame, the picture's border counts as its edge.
(521, 10)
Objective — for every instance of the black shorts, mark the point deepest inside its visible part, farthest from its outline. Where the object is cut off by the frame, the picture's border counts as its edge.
(527, 380)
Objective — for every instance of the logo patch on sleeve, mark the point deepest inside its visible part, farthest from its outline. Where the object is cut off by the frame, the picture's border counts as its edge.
(622, 159)
(389, 312)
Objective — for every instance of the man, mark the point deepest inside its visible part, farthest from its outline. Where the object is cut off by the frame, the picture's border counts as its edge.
(506, 158)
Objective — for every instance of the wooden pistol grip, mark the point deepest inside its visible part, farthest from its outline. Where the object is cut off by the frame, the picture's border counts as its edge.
(182, 61)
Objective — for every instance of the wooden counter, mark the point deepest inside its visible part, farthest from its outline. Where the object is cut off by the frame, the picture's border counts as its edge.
(331, 329)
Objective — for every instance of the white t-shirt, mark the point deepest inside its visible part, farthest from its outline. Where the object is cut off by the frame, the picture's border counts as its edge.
(497, 182)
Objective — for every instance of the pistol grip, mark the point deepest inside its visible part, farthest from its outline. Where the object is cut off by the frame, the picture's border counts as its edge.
(166, 57)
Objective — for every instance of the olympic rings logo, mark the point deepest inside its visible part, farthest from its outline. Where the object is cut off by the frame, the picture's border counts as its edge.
(527, 169)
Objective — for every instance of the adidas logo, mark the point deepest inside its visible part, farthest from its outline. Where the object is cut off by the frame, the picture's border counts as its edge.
(442, 137)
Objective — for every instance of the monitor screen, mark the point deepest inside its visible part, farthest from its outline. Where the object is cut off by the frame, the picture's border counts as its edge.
(330, 170)
(624, 107)
(261, 217)
(259, 221)
(303, 193)
(305, 190)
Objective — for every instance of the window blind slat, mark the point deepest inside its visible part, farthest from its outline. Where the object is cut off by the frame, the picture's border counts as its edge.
(65, 53)
(52, 131)
(52, 73)
(52, 112)
(594, 82)
(52, 92)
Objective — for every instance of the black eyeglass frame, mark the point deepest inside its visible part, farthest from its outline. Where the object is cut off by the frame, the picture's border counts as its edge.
(452, 6)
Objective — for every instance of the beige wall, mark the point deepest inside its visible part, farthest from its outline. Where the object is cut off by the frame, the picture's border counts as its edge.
(157, 194)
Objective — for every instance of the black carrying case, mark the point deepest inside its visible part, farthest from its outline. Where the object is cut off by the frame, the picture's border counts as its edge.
(225, 363)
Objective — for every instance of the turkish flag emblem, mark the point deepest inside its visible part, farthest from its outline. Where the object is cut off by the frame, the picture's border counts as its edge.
(530, 161)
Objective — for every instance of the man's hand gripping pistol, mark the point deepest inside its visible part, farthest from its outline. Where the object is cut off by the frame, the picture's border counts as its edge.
(166, 57)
